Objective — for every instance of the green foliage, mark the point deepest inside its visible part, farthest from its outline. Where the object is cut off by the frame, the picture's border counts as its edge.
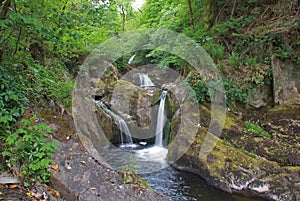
(12, 101)
(204, 91)
(222, 67)
(199, 88)
(233, 26)
(29, 151)
(255, 128)
(215, 50)
(251, 62)
(130, 175)
(165, 59)
(46, 84)
(234, 61)
(62, 93)
(234, 92)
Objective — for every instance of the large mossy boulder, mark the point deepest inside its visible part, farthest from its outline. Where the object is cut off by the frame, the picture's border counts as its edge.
(229, 166)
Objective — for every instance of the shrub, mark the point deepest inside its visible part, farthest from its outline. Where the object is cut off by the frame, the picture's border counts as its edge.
(29, 152)
(235, 92)
(12, 101)
(251, 62)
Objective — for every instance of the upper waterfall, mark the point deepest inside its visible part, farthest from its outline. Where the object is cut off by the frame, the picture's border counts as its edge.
(145, 80)
(130, 61)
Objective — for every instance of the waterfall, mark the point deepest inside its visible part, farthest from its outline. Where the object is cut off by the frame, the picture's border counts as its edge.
(145, 81)
(125, 134)
(160, 121)
(131, 59)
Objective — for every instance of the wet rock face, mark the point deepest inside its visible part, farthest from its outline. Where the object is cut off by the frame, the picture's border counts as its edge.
(132, 102)
(81, 177)
(105, 121)
(231, 168)
(125, 98)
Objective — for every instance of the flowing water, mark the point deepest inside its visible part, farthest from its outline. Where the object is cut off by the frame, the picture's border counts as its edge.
(145, 81)
(180, 186)
(130, 61)
(161, 119)
(125, 134)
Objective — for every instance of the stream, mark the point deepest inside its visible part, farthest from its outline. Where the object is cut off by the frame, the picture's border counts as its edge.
(177, 185)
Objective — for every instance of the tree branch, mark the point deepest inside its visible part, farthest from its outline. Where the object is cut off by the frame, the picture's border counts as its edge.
(191, 15)
(18, 40)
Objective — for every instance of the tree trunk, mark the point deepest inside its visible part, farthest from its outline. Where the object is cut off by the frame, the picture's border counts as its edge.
(123, 18)
(191, 15)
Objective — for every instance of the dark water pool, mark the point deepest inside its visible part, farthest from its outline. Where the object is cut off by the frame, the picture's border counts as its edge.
(183, 186)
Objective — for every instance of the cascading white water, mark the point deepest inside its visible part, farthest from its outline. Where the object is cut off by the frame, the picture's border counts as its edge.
(160, 120)
(125, 134)
(131, 59)
(124, 129)
(145, 81)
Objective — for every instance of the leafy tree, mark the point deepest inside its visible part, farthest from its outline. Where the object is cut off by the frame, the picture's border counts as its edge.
(41, 42)
(125, 9)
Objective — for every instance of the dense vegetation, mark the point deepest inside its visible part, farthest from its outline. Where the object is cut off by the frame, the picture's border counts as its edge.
(43, 43)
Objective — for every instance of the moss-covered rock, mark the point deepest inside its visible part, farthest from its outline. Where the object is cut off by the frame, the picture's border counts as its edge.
(228, 166)
(273, 134)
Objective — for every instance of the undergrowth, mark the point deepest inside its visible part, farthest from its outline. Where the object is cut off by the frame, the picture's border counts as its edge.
(28, 151)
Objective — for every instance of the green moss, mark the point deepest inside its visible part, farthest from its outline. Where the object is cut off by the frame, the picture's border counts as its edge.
(101, 82)
(219, 116)
(224, 157)
(285, 111)
(293, 168)
(230, 121)
(255, 128)
(283, 108)
(156, 98)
